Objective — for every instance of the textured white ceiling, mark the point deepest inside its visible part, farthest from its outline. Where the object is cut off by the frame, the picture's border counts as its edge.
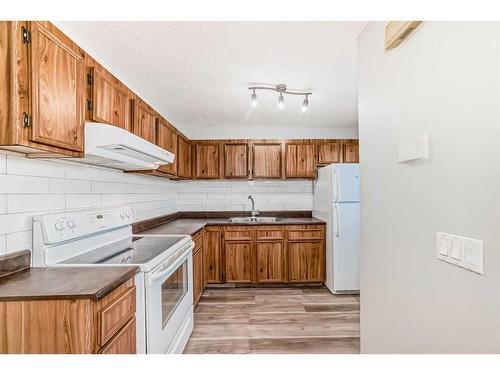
(196, 74)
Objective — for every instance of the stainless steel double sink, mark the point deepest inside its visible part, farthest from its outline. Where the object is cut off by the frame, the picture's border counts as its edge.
(253, 219)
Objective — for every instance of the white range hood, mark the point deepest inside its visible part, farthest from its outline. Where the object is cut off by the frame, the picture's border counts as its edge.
(113, 147)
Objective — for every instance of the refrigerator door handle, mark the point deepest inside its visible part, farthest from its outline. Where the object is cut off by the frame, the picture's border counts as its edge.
(337, 223)
(335, 186)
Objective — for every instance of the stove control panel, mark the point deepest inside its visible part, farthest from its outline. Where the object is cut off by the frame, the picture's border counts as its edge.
(70, 225)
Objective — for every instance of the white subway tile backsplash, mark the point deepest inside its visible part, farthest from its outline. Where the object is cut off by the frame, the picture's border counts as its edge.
(29, 187)
(23, 184)
(34, 167)
(34, 202)
(3, 204)
(3, 239)
(75, 201)
(18, 241)
(3, 164)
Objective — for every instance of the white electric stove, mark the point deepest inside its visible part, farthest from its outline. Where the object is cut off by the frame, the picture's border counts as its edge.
(103, 237)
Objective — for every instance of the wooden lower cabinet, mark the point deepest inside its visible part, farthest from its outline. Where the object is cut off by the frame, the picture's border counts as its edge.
(71, 326)
(270, 261)
(273, 254)
(239, 261)
(212, 254)
(306, 261)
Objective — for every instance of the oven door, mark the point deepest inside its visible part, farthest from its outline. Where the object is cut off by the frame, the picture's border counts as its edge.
(169, 299)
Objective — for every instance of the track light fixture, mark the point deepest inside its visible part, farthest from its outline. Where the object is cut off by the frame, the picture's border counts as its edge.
(281, 89)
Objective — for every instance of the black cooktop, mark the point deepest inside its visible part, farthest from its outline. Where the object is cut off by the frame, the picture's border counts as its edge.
(138, 250)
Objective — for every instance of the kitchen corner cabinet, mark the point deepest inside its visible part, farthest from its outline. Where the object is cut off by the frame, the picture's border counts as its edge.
(235, 160)
(71, 326)
(350, 151)
(329, 151)
(108, 99)
(184, 157)
(212, 255)
(42, 101)
(144, 120)
(267, 160)
(207, 160)
(166, 138)
(300, 160)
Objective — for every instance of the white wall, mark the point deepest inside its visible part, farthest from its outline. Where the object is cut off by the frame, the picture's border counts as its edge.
(443, 81)
(29, 187)
(227, 195)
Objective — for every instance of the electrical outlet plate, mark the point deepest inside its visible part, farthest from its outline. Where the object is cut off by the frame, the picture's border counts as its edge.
(460, 251)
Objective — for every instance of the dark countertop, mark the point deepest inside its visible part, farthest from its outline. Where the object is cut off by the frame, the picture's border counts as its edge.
(64, 282)
(191, 226)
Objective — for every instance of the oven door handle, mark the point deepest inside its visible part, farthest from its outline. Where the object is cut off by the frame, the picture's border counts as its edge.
(161, 273)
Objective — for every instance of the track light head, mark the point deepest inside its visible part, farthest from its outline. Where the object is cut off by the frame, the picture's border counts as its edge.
(254, 99)
(281, 101)
(305, 104)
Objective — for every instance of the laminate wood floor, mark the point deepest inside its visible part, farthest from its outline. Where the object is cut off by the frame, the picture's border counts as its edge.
(275, 321)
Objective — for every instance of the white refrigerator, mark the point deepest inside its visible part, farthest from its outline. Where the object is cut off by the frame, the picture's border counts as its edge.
(336, 201)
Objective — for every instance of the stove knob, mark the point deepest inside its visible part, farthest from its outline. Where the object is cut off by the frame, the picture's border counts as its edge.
(122, 215)
(59, 225)
(128, 214)
(71, 223)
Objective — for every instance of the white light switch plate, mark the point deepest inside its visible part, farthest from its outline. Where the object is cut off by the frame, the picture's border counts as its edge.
(461, 251)
(415, 149)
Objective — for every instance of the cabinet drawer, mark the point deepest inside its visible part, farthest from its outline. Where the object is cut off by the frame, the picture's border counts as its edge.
(124, 342)
(305, 233)
(268, 233)
(234, 233)
(115, 315)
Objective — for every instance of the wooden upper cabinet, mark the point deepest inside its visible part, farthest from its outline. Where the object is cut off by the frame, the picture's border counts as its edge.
(329, 151)
(184, 157)
(350, 151)
(109, 101)
(144, 120)
(266, 160)
(207, 160)
(166, 138)
(235, 160)
(57, 67)
(300, 160)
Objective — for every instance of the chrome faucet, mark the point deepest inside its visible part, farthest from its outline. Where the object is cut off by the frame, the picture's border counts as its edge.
(254, 211)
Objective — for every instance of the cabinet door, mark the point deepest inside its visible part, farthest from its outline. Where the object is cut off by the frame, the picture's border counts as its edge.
(240, 261)
(306, 261)
(184, 157)
(270, 261)
(300, 160)
(110, 100)
(350, 151)
(124, 342)
(235, 160)
(197, 276)
(144, 120)
(57, 88)
(207, 161)
(166, 138)
(212, 243)
(266, 160)
(329, 152)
